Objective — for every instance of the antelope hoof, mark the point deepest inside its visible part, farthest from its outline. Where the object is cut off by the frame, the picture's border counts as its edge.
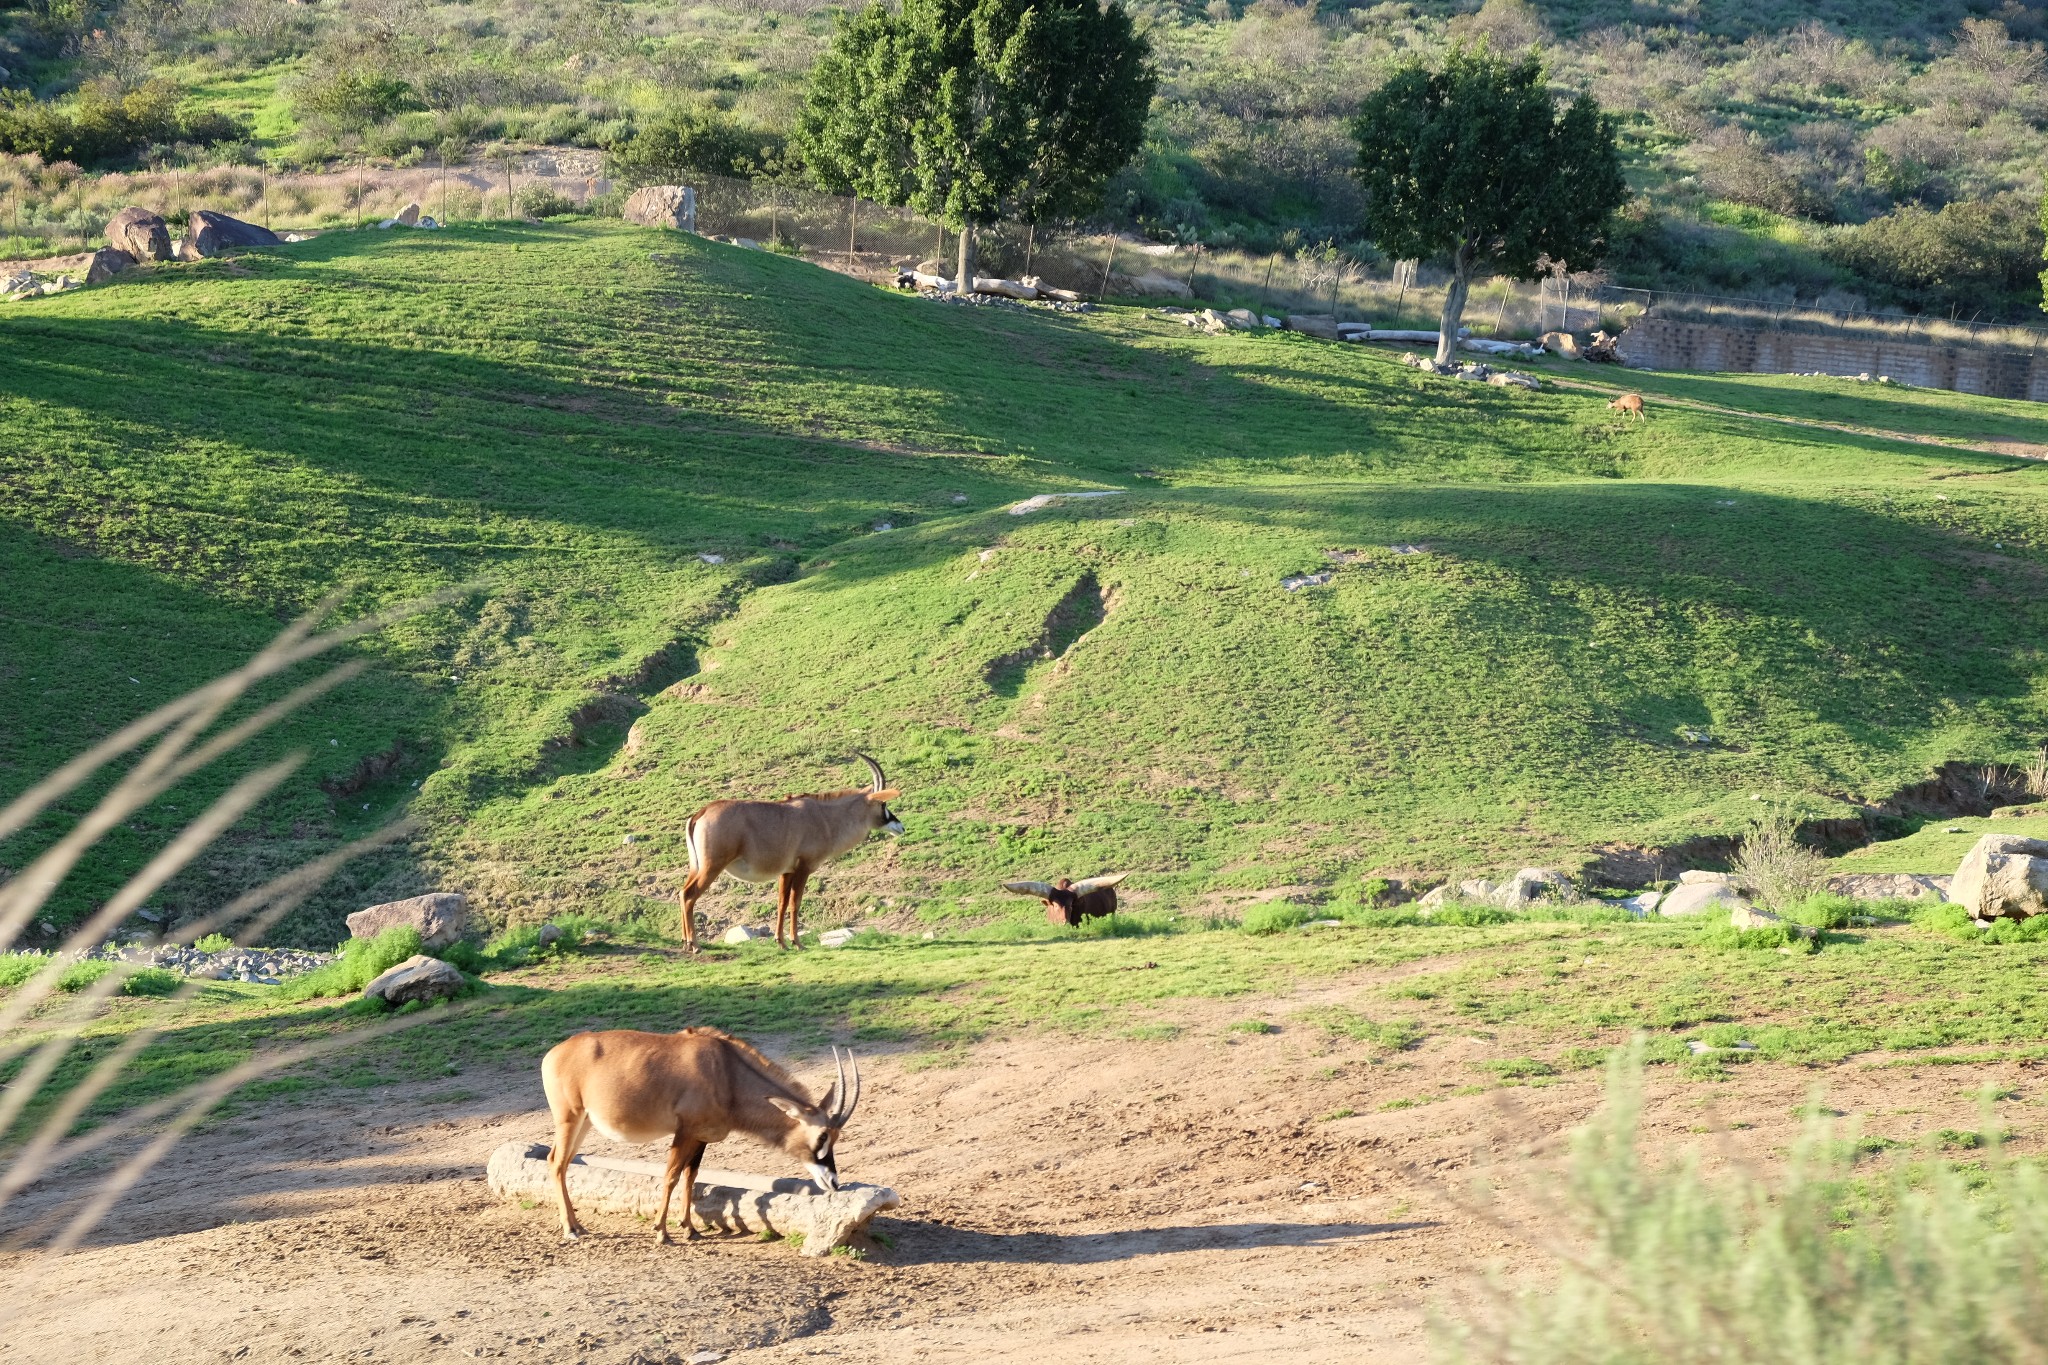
(662, 1239)
(571, 1234)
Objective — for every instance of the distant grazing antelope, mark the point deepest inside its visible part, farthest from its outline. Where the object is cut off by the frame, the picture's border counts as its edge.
(694, 1088)
(782, 842)
(1069, 902)
(1630, 403)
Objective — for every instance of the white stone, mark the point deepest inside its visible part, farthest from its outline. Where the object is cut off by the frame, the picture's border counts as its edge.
(2003, 876)
(1693, 876)
(740, 933)
(419, 977)
(1696, 898)
(836, 938)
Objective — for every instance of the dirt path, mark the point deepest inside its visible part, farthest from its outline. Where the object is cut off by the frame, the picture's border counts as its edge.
(1065, 1201)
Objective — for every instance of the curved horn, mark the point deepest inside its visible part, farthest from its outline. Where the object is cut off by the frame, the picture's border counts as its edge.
(874, 768)
(1097, 883)
(853, 1103)
(1038, 889)
(838, 1091)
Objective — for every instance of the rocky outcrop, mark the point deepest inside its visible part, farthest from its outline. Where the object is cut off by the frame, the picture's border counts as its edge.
(1697, 898)
(208, 234)
(1536, 885)
(2004, 876)
(441, 917)
(664, 206)
(418, 978)
(1889, 886)
(143, 235)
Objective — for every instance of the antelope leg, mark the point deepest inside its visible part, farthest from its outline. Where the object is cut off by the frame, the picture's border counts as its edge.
(681, 1154)
(797, 881)
(568, 1136)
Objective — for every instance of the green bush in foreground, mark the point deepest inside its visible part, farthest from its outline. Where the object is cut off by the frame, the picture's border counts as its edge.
(1938, 1264)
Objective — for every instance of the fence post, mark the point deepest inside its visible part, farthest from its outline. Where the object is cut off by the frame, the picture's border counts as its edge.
(1105, 269)
(442, 158)
(1501, 313)
(1266, 289)
(1030, 244)
(510, 211)
(852, 222)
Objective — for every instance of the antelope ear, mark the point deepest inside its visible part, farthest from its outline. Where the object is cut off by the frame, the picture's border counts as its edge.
(885, 794)
(789, 1107)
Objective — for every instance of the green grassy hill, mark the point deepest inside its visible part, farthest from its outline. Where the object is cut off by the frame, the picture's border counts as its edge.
(568, 421)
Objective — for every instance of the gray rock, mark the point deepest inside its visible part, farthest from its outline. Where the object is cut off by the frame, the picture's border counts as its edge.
(105, 264)
(740, 933)
(440, 916)
(1643, 902)
(1749, 917)
(1433, 900)
(1696, 898)
(2004, 876)
(1694, 877)
(142, 235)
(419, 977)
(549, 934)
(409, 216)
(1322, 325)
(1533, 885)
(209, 234)
(836, 938)
(664, 206)
(1889, 886)
(1477, 889)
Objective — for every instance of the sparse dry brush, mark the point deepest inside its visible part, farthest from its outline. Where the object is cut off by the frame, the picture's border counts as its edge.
(1923, 1263)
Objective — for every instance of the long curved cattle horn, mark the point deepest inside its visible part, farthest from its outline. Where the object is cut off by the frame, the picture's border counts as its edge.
(874, 768)
(1097, 883)
(1038, 889)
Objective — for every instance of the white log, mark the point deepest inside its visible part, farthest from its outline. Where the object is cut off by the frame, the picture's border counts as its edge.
(1008, 289)
(1485, 347)
(1399, 335)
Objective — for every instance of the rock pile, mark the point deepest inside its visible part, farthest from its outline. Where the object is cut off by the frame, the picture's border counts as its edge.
(259, 966)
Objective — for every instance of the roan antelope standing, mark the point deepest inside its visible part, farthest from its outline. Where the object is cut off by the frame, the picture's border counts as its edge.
(694, 1088)
(1630, 403)
(1068, 902)
(782, 842)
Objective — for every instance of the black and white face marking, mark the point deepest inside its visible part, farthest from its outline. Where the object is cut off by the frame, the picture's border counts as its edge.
(890, 824)
(823, 1168)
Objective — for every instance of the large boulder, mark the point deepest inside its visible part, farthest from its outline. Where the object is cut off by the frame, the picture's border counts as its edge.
(665, 206)
(106, 263)
(209, 234)
(1533, 885)
(440, 916)
(2003, 877)
(1697, 898)
(1322, 325)
(419, 977)
(1560, 343)
(140, 233)
(1889, 886)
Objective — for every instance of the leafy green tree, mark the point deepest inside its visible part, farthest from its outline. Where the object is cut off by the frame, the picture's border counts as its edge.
(1475, 163)
(972, 110)
(686, 141)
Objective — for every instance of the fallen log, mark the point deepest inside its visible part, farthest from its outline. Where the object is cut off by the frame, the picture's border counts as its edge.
(729, 1200)
(1007, 289)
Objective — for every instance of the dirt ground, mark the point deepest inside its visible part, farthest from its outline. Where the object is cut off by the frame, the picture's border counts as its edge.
(1064, 1201)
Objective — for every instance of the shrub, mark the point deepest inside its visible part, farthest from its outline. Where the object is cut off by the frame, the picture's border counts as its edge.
(349, 100)
(83, 973)
(1671, 1268)
(152, 981)
(1273, 917)
(1822, 910)
(1772, 862)
(686, 142)
(1979, 256)
(361, 962)
(16, 968)
(214, 943)
(103, 122)
(541, 201)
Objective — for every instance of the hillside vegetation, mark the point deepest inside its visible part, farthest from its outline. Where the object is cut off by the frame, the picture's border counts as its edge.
(658, 470)
(1857, 154)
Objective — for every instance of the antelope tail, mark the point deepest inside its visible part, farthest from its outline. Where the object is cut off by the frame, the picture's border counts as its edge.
(690, 841)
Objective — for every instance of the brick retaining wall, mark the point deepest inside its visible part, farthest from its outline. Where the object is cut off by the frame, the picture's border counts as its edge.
(1660, 345)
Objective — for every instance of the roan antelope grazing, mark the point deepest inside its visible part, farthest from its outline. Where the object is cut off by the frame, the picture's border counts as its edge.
(1630, 403)
(693, 1088)
(1069, 902)
(782, 842)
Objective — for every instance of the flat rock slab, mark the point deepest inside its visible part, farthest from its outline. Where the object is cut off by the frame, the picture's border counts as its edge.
(730, 1200)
